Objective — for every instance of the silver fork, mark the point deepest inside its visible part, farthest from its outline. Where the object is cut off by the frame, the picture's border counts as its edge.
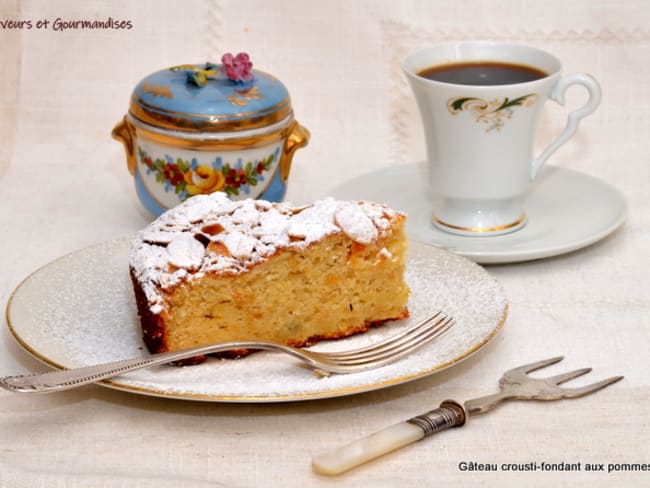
(373, 356)
(515, 384)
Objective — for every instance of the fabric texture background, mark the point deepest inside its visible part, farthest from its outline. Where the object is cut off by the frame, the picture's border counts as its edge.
(64, 185)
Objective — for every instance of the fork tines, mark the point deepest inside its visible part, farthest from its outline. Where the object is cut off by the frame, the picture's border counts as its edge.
(399, 345)
(520, 374)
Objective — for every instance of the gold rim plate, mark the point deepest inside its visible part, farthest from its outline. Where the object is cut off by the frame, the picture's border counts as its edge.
(79, 310)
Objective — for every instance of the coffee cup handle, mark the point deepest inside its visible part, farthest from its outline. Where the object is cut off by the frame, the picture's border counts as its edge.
(557, 95)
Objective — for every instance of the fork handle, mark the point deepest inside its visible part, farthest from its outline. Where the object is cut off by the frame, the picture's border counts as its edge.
(65, 379)
(449, 414)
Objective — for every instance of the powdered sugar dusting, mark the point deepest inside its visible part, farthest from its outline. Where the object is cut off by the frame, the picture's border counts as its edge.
(184, 251)
(211, 233)
(239, 244)
(315, 222)
(356, 224)
(80, 310)
(385, 253)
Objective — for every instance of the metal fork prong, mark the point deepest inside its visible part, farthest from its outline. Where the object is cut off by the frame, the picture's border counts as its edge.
(418, 328)
(529, 368)
(386, 357)
(402, 347)
(399, 349)
(371, 353)
(585, 390)
(414, 334)
(561, 378)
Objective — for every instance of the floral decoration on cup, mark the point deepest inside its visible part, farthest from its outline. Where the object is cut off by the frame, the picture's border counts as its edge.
(492, 112)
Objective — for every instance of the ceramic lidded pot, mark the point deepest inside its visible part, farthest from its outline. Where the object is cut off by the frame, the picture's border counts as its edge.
(199, 128)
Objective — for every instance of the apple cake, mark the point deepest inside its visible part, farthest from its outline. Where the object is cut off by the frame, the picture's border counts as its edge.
(215, 270)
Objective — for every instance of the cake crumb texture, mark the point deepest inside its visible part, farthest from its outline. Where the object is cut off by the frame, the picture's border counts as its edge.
(215, 270)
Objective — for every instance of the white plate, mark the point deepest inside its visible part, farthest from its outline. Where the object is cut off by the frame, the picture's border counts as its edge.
(566, 211)
(79, 310)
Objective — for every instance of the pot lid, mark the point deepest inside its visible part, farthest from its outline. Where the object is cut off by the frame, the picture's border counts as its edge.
(202, 97)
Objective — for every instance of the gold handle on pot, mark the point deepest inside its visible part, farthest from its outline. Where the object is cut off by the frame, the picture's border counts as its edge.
(298, 137)
(125, 133)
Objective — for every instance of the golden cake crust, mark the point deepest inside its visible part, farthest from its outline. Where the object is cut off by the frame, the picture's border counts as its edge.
(211, 239)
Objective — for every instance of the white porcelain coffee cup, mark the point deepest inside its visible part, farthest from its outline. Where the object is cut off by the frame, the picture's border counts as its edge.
(480, 138)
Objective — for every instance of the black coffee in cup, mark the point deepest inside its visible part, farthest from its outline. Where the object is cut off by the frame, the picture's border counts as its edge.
(482, 73)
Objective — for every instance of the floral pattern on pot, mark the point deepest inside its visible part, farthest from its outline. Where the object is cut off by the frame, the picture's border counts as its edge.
(491, 112)
(187, 177)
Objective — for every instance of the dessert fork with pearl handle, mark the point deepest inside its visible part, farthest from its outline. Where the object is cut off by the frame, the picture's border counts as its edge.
(515, 384)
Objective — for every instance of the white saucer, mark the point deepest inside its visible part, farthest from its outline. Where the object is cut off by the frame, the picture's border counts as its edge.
(566, 211)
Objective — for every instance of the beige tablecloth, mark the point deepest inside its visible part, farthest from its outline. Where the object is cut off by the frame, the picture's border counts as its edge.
(64, 186)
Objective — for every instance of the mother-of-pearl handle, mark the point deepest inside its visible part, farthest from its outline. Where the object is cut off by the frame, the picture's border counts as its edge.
(449, 414)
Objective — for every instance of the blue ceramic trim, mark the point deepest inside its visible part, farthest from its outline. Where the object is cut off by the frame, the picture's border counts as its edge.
(276, 189)
(147, 201)
(171, 91)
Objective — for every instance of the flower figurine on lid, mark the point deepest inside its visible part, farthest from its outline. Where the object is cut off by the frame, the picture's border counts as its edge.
(200, 128)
